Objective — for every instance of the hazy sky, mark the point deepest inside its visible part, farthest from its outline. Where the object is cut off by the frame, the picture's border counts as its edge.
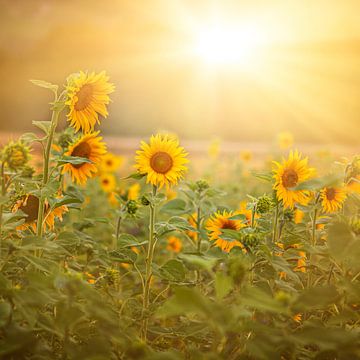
(300, 70)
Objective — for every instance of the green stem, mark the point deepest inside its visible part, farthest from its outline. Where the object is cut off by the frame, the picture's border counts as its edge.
(148, 266)
(118, 226)
(47, 151)
(253, 212)
(198, 226)
(313, 243)
(276, 218)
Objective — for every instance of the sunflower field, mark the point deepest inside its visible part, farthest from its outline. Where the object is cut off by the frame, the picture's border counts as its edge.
(149, 257)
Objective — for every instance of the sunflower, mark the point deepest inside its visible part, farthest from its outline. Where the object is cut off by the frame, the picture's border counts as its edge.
(289, 174)
(108, 182)
(174, 244)
(162, 160)
(301, 262)
(332, 198)
(91, 147)
(16, 155)
(87, 98)
(220, 221)
(193, 222)
(246, 212)
(133, 191)
(110, 163)
(29, 205)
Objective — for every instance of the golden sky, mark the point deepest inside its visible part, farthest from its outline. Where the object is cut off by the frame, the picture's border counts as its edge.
(240, 70)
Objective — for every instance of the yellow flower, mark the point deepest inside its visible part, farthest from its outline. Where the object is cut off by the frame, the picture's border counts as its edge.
(297, 318)
(174, 244)
(289, 174)
(247, 212)
(353, 175)
(214, 148)
(246, 155)
(332, 198)
(29, 205)
(298, 216)
(193, 222)
(220, 221)
(87, 98)
(163, 160)
(133, 192)
(91, 147)
(285, 140)
(110, 163)
(301, 263)
(113, 199)
(108, 182)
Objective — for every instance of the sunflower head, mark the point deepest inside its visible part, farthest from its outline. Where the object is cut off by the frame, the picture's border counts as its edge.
(215, 226)
(111, 163)
(162, 160)
(29, 205)
(16, 155)
(133, 191)
(332, 198)
(88, 97)
(353, 175)
(193, 222)
(91, 147)
(107, 182)
(289, 174)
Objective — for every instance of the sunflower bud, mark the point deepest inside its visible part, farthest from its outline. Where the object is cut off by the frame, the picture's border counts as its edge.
(27, 172)
(145, 201)
(112, 276)
(131, 207)
(202, 185)
(15, 155)
(264, 204)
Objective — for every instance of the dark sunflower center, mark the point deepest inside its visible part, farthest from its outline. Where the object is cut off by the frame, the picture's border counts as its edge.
(31, 208)
(229, 224)
(289, 178)
(109, 162)
(105, 182)
(82, 150)
(161, 162)
(330, 193)
(84, 96)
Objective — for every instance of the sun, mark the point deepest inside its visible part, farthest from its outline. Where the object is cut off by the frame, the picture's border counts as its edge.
(220, 44)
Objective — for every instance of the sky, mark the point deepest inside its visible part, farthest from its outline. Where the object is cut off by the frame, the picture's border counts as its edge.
(238, 70)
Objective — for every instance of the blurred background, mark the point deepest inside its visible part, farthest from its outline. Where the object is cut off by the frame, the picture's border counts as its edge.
(242, 71)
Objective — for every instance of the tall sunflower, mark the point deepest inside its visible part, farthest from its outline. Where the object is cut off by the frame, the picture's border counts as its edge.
(215, 226)
(163, 160)
(332, 198)
(91, 147)
(88, 95)
(29, 204)
(291, 173)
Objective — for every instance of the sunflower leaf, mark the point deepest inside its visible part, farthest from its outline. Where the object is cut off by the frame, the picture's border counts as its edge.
(74, 160)
(43, 125)
(45, 85)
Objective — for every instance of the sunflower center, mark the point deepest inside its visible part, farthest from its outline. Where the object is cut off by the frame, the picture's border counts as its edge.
(161, 162)
(330, 193)
(84, 96)
(289, 178)
(82, 150)
(106, 182)
(229, 224)
(109, 163)
(31, 208)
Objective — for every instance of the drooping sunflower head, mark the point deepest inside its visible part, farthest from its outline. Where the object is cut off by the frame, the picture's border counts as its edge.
(162, 160)
(91, 147)
(88, 97)
(15, 155)
(215, 226)
(289, 174)
(29, 205)
(332, 198)
(107, 182)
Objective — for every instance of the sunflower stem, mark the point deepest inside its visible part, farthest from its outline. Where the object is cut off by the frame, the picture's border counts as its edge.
(54, 121)
(276, 219)
(313, 240)
(198, 226)
(148, 265)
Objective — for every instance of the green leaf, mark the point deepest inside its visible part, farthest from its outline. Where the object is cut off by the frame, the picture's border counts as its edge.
(195, 261)
(75, 160)
(173, 270)
(268, 177)
(223, 285)
(45, 85)
(174, 207)
(30, 137)
(43, 125)
(123, 255)
(319, 183)
(180, 223)
(128, 240)
(136, 176)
